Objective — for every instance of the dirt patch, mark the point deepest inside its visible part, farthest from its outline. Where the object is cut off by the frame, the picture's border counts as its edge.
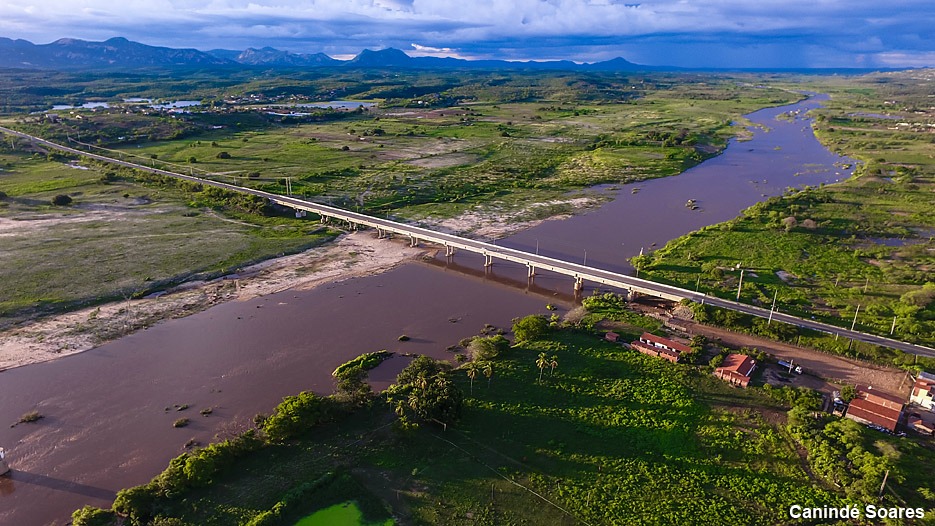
(816, 364)
(444, 161)
(497, 222)
(354, 254)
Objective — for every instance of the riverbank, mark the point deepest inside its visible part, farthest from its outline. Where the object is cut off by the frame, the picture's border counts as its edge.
(352, 255)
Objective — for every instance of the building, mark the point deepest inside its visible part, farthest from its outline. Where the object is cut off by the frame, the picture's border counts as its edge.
(874, 407)
(736, 369)
(611, 336)
(923, 392)
(660, 347)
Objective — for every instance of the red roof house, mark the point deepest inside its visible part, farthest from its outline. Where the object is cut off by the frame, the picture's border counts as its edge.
(660, 347)
(872, 406)
(736, 369)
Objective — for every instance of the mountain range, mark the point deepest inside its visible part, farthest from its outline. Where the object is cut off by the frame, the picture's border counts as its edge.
(120, 53)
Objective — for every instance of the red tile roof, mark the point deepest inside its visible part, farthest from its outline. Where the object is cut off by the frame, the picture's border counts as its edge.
(738, 363)
(676, 346)
(874, 413)
(879, 397)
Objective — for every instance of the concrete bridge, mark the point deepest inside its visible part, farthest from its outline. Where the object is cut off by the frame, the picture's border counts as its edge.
(533, 262)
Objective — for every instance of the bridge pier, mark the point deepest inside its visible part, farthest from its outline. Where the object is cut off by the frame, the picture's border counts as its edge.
(413, 241)
(449, 251)
(488, 260)
(531, 271)
(579, 284)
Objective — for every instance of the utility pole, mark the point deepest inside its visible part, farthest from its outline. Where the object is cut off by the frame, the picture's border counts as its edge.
(740, 284)
(883, 486)
(773, 308)
(537, 246)
(585, 257)
(893, 328)
(853, 323)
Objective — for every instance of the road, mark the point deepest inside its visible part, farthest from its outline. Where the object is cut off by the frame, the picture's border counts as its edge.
(534, 262)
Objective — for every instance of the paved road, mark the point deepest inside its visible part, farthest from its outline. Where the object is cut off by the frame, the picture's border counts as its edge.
(535, 262)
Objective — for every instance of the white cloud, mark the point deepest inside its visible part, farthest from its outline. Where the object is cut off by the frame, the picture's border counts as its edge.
(847, 27)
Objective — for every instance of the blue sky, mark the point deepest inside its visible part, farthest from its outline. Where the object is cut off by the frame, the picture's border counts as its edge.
(690, 33)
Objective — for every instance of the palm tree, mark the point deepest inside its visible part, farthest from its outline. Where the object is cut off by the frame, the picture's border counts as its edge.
(553, 364)
(472, 369)
(488, 372)
(542, 362)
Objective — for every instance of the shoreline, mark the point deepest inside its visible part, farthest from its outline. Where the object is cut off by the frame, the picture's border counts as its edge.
(350, 255)
(48, 338)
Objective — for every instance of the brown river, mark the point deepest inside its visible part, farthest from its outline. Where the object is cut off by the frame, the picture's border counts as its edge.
(108, 412)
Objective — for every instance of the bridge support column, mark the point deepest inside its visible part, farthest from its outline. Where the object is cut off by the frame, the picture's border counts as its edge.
(531, 271)
(413, 241)
(579, 284)
(488, 260)
(449, 251)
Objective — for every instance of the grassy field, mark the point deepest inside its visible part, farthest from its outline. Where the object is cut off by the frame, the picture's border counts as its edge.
(609, 436)
(446, 151)
(117, 238)
(866, 243)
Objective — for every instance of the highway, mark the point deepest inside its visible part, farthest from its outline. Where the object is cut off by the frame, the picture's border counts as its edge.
(533, 262)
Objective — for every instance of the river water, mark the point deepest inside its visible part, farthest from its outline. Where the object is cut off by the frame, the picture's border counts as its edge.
(109, 411)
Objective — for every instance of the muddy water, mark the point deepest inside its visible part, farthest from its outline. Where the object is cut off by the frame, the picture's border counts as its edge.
(747, 172)
(109, 412)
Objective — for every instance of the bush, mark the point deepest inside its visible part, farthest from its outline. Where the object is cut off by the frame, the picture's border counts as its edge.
(61, 200)
(530, 328)
(296, 415)
(91, 516)
(484, 348)
(364, 361)
(224, 155)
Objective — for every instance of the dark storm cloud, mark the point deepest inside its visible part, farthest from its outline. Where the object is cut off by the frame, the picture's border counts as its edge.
(689, 33)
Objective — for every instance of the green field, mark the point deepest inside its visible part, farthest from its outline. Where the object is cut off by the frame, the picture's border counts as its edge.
(609, 436)
(868, 242)
(118, 238)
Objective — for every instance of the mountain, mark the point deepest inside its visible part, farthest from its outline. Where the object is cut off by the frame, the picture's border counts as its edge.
(69, 53)
(274, 57)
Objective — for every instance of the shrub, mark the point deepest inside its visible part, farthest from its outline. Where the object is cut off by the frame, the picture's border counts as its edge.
(181, 422)
(296, 415)
(30, 417)
(530, 328)
(364, 361)
(91, 516)
(485, 348)
(224, 155)
(61, 200)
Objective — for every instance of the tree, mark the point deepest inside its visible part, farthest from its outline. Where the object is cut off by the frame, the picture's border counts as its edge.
(424, 390)
(848, 393)
(530, 328)
(488, 372)
(553, 363)
(542, 362)
(471, 369)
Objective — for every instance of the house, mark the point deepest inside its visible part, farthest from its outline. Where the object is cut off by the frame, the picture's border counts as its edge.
(660, 347)
(874, 407)
(611, 336)
(923, 392)
(736, 369)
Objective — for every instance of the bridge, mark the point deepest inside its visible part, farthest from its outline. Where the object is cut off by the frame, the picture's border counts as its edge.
(533, 262)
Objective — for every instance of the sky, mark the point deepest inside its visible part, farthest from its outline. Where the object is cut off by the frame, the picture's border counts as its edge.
(686, 33)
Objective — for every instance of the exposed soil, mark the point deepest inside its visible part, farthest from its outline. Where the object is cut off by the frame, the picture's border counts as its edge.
(352, 255)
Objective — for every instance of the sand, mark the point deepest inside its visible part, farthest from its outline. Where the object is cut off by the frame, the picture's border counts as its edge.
(354, 254)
